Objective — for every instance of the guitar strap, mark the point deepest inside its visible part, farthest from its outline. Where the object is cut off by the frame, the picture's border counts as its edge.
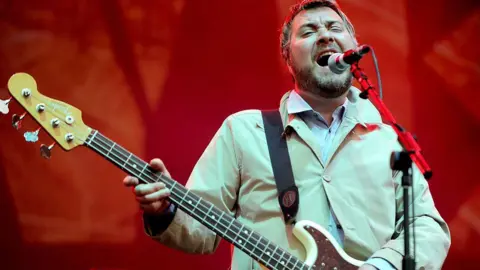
(288, 196)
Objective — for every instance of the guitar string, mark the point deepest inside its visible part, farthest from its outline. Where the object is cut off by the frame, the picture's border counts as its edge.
(230, 224)
(142, 174)
(155, 180)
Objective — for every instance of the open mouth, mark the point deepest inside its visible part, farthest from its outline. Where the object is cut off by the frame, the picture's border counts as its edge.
(322, 58)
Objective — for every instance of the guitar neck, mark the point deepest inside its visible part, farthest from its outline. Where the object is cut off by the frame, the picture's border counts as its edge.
(224, 225)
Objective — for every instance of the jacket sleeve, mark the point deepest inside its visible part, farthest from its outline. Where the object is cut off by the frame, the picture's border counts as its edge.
(432, 235)
(215, 178)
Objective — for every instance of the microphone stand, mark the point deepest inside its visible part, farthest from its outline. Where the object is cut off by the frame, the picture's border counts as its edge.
(401, 161)
(406, 139)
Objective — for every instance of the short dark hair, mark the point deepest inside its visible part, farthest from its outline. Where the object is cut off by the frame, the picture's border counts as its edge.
(286, 31)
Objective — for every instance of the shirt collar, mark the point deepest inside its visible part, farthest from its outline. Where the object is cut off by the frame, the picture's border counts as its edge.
(296, 104)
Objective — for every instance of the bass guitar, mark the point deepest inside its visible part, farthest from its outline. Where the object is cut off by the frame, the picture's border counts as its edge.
(64, 124)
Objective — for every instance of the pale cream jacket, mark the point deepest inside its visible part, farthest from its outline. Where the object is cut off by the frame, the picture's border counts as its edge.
(236, 175)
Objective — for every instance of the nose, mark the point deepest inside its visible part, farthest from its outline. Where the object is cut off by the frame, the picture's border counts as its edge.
(325, 37)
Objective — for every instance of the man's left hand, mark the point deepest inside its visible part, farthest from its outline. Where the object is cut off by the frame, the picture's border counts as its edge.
(367, 267)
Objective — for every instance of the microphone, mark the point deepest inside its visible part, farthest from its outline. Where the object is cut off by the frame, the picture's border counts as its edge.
(339, 62)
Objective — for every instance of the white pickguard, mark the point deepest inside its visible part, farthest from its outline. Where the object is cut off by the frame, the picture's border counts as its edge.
(312, 252)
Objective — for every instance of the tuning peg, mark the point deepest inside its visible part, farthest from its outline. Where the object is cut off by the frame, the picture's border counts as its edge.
(45, 151)
(4, 106)
(17, 120)
(31, 136)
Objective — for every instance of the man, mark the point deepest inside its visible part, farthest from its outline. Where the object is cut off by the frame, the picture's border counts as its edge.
(339, 151)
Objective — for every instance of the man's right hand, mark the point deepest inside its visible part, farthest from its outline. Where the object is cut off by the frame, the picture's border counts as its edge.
(151, 197)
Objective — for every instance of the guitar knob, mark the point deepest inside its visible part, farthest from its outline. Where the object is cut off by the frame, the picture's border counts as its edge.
(55, 122)
(40, 107)
(69, 137)
(31, 136)
(69, 119)
(4, 106)
(17, 120)
(26, 92)
(45, 151)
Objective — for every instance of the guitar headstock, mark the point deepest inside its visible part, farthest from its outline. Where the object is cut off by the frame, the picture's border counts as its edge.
(62, 121)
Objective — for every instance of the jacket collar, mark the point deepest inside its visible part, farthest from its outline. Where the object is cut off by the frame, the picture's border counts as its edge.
(358, 111)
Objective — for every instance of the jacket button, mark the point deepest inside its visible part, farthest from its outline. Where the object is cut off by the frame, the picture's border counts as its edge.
(327, 177)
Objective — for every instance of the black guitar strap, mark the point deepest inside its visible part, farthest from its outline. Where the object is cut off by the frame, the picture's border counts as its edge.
(288, 196)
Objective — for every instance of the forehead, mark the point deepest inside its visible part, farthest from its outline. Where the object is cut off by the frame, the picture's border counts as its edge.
(318, 15)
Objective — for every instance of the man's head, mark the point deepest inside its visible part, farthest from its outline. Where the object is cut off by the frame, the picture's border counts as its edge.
(313, 28)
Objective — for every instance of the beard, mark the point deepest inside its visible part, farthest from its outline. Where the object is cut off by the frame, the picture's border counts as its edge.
(324, 83)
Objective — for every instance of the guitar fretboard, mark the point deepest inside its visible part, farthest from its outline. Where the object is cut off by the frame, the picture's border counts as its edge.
(224, 225)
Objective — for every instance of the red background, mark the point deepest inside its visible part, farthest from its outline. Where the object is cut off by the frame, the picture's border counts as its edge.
(159, 77)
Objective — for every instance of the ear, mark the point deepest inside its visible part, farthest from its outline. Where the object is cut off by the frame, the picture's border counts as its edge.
(289, 68)
(288, 62)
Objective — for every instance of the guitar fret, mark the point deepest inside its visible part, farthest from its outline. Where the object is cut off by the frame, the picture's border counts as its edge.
(200, 207)
(280, 258)
(195, 207)
(230, 224)
(178, 193)
(144, 167)
(265, 250)
(93, 137)
(219, 218)
(294, 266)
(187, 201)
(262, 252)
(239, 234)
(201, 210)
(218, 221)
(268, 252)
(128, 158)
(215, 216)
(246, 243)
(226, 231)
(184, 196)
(135, 164)
(207, 213)
(295, 261)
(200, 203)
(242, 237)
(109, 151)
(174, 183)
(249, 233)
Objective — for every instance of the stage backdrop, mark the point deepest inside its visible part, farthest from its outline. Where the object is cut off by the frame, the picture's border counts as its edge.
(159, 77)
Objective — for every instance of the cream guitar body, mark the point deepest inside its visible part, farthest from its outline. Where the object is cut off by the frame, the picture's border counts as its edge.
(321, 249)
